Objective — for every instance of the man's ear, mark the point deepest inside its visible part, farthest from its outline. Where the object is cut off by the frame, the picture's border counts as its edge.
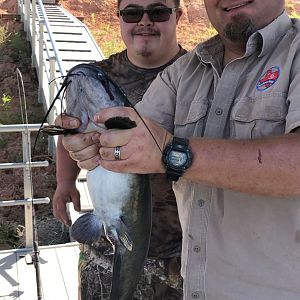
(179, 13)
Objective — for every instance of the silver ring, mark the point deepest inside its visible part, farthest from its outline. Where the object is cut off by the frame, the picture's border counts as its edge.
(117, 153)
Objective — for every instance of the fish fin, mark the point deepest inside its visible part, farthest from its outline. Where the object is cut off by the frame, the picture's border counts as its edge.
(86, 229)
(119, 123)
(124, 236)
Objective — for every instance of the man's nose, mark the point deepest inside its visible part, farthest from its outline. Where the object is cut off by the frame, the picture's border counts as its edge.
(145, 21)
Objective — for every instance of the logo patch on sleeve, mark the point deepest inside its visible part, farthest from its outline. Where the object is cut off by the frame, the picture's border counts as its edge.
(268, 79)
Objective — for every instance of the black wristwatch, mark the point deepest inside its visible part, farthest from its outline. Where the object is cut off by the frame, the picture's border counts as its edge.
(177, 157)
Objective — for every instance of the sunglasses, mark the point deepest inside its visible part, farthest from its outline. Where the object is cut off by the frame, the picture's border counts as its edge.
(156, 14)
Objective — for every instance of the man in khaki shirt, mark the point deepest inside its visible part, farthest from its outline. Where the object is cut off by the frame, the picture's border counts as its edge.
(150, 47)
(236, 98)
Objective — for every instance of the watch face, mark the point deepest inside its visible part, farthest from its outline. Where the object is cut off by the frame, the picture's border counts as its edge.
(177, 158)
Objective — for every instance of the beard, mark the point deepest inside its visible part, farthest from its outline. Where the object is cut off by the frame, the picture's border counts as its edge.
(146, 49)
(240, 29)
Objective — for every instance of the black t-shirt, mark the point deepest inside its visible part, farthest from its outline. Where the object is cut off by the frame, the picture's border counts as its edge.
(134, 81)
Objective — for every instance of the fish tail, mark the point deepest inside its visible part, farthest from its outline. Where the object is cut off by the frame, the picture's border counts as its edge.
(87, 229)
(119, 289)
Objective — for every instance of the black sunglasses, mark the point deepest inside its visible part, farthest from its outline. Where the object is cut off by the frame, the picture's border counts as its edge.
(156, 14)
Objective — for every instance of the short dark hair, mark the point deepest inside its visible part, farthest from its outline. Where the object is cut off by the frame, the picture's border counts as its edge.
(177, 3)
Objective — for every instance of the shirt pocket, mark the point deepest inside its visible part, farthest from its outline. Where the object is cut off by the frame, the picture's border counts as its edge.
(253, 118)
(190, 118)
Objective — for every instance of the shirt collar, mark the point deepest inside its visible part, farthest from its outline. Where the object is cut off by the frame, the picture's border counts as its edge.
(212, 50)
(272, 33)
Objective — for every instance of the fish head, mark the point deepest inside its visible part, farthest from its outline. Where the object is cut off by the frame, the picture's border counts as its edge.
(90, 90)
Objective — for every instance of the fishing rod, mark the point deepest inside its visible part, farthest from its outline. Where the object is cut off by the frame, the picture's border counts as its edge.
(35, 253)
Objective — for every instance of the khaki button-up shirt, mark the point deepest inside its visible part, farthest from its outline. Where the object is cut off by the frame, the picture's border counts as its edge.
(235, 246)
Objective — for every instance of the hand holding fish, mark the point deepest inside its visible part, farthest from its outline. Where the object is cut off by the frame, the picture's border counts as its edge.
(139, 152)
(82, 147)
(66, 191)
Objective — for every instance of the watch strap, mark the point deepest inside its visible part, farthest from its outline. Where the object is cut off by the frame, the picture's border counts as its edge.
(182, 144)
(173, 175)
(180, 141)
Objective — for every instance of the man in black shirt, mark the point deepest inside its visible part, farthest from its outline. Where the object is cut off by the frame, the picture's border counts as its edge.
(151, 46)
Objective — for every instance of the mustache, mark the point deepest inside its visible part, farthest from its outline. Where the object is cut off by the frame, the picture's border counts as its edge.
(136, 31)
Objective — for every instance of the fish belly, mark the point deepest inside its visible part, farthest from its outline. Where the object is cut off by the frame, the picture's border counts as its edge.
(123, 203)
(109, 192)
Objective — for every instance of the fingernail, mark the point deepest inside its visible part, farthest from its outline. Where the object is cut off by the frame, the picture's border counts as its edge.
(97, 117)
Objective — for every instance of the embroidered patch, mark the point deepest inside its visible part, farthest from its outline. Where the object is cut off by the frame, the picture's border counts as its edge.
(268, 79)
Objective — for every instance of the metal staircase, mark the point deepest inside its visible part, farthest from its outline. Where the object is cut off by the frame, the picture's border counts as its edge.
(59, 41)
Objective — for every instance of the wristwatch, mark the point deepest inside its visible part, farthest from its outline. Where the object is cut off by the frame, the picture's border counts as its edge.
(177, 157)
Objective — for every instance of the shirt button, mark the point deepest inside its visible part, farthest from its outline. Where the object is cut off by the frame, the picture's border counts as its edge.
(201, 202)
(197, 249)
(219, 111)
(195, 295)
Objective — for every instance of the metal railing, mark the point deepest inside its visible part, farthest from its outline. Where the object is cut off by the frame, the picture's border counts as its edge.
(26, 165)
(32, 14)
(48, 57)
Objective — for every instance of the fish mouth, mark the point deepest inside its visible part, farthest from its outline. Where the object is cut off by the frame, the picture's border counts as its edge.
(236, 5)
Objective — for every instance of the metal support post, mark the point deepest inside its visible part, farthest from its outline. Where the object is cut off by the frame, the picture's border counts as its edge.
(33, 32)
(20, 4)
(41, 62)
(27, 18)
(27, 189)
(52, 61)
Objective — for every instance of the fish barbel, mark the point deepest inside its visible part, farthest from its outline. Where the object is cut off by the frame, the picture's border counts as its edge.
(122, 202)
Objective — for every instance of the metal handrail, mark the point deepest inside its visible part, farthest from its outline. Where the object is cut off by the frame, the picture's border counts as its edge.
(36, 37)
(44, 200)
(26, 165)
(20, 127)
(34, 164)
(44, 21)
(46, 55)
(47, 74)
(52, 40)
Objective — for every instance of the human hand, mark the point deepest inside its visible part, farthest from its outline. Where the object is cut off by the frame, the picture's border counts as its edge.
(66, 121)
(139, 152)
(82, 147)
(66, 191)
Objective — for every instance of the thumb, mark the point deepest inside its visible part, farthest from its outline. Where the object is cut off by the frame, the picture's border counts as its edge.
(76, 201)
(67, 122)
